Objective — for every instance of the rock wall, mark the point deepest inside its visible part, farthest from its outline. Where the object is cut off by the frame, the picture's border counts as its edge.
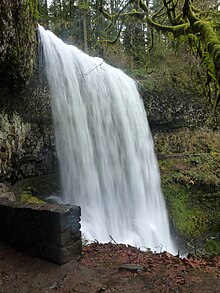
(17, 41)
(27, 146)
(171, 109)
(45, 230)
(174, 92)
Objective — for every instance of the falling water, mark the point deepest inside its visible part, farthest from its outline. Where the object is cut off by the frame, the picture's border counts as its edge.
(105, 149)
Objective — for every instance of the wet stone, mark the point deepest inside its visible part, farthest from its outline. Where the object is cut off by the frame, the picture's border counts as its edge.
(134, 268)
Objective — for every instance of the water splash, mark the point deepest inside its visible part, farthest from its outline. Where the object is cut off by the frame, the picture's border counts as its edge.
(105, 148)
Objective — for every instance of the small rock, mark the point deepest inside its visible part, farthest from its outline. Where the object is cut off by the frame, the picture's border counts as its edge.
(102, 289)
(180, 280)
(134, 268)
(169, 255)
(54, 285)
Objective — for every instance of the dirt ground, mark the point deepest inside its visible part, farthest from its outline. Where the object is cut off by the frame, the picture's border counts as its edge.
(104, 268)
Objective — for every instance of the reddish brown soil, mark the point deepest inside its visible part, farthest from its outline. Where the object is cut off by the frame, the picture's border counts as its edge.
(99, 271)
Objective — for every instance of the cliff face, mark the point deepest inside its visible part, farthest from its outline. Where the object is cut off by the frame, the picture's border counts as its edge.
(17, 41)
(26, 133)
(171, 106)
(27, 145)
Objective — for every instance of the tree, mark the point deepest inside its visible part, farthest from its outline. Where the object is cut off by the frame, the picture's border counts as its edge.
(195, 20)
(134, 41)
(43, 12)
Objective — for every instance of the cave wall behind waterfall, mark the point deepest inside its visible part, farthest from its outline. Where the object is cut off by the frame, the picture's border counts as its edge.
(26, 133)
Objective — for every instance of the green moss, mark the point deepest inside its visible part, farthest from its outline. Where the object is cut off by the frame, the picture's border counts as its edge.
(18, 60)
(189, 221)
(212, 45)
(176, 30)
(33, 4)
(212, 247)
(83, 6)
(29, 196)
(190, 176)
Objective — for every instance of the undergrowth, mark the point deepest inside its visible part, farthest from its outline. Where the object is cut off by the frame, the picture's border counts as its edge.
(190, 179)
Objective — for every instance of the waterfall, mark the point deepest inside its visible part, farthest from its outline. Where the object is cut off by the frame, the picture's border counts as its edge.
(105, 149)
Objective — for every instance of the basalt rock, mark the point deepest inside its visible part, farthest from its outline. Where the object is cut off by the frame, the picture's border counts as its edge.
(17, 42)
(26, 132)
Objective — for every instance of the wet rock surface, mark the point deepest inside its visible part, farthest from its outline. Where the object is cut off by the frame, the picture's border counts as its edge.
(44, 186)
(27, 142)
(27, 146)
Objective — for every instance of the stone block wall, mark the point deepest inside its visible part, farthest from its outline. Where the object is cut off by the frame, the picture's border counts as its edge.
(47, 231)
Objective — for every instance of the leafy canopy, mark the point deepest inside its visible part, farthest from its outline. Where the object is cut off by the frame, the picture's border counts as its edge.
(195, 20)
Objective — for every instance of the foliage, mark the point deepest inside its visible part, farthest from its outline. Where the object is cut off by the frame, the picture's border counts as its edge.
(188, 220)
(139, 28)
(182, 19)
(165, 67)
(212, 247)
(190, 175)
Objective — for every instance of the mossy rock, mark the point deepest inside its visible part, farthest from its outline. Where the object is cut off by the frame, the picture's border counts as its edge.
(27, 196)
(18, 53)
(190, 177)
(212, 247)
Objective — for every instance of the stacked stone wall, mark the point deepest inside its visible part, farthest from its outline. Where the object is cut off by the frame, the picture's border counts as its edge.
(46, 231)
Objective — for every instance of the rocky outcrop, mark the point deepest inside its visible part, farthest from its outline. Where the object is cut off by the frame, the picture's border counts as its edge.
(172, 109)
(17, 41)
(27, 144)
(26, 132)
